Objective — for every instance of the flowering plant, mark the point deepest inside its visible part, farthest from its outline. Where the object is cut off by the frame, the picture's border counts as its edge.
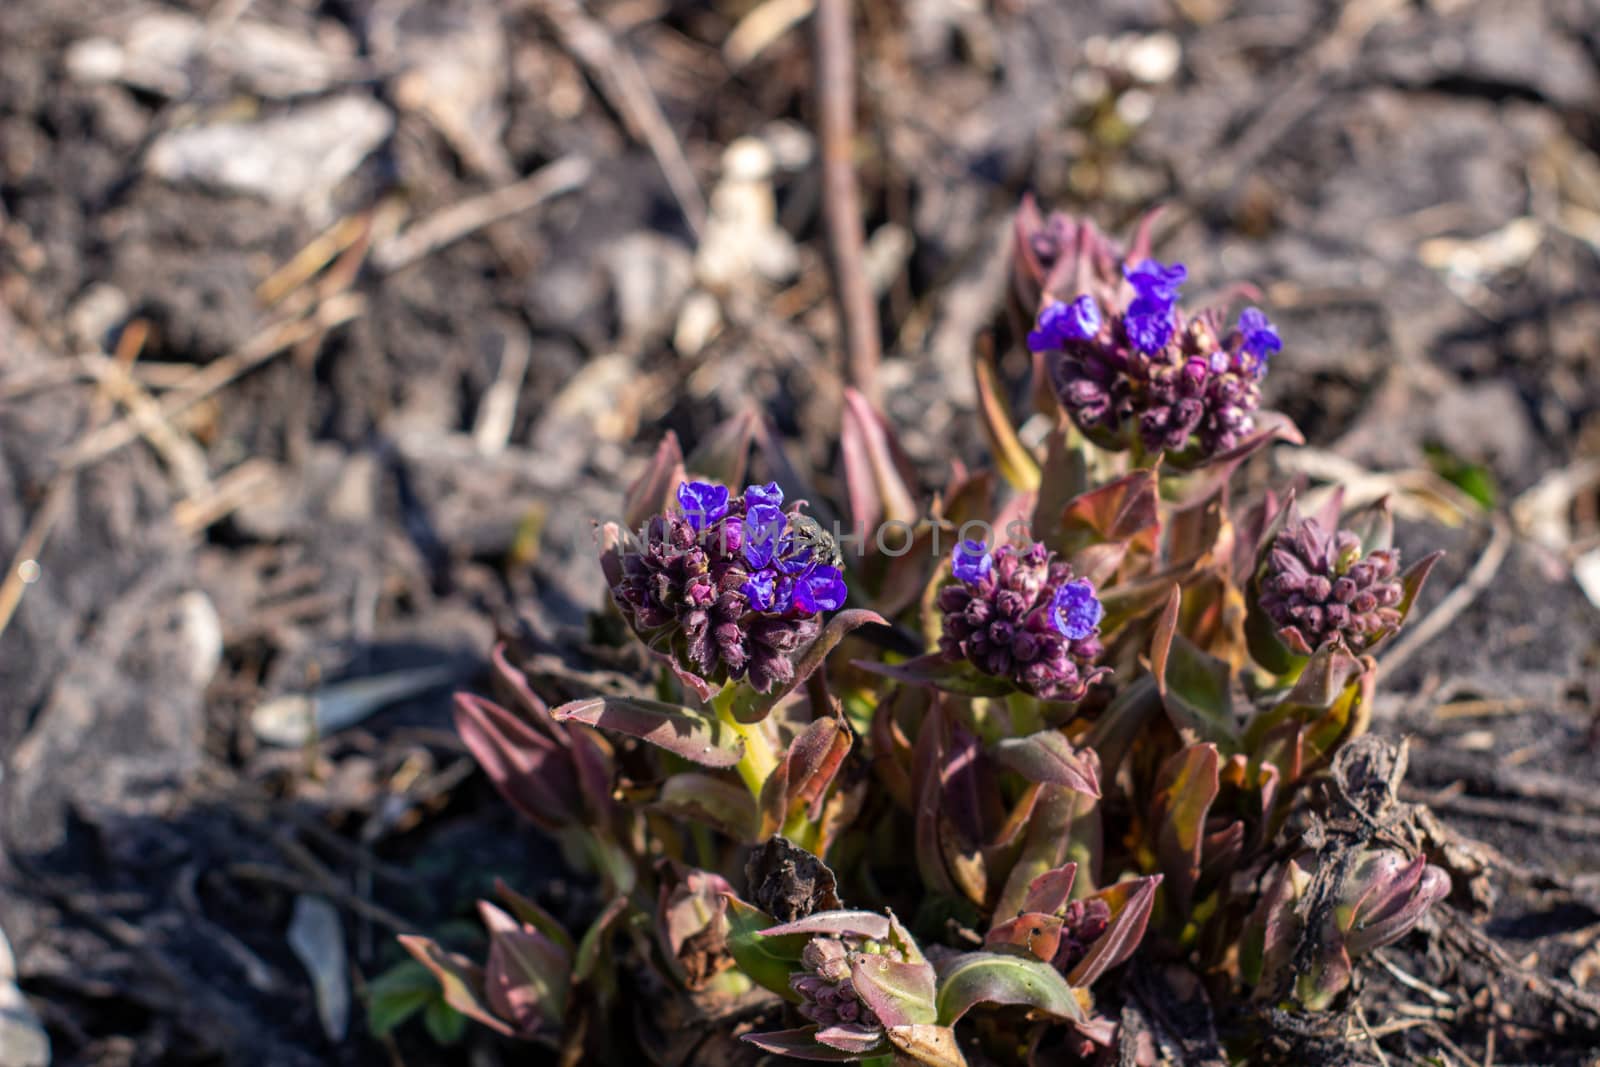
(1100, 735)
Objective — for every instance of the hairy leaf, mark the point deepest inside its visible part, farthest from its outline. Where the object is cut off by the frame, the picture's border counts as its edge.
(751, 706)
(695, 736)
(1049, 758)
(1185, 789)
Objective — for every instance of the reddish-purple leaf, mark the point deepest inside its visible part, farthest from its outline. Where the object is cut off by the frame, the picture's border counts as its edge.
(1033, 931)
(651, 494)
(801, 1044)
(460, 980)
(900, 993)
(1051, 891)
(1185, 788)
(1130, 903)
(876, 471)
(865, 924)
(1122, 510)
(725, 451)
(682, 731)
(1049, 758)
(528, 976)
(529, 769)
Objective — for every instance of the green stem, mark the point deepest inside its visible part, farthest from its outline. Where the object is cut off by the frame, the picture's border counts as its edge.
(759, 760)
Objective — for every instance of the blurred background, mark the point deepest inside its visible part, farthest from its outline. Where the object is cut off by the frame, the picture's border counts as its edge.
(328, 326)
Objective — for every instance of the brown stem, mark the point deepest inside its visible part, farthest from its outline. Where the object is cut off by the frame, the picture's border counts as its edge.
(841, 202)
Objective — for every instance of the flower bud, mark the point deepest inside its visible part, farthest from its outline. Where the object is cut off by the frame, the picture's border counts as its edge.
(1020, 614)
(1317, 585)
(731, 587)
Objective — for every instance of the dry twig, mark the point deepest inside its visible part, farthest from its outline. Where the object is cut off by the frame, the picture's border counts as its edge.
(841, 201)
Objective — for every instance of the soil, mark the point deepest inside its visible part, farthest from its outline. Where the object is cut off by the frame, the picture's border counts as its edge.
(1415, 188)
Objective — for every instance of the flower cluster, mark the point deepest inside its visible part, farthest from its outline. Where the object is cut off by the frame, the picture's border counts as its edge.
(732, 585)
(1129, 367)
(1020, 614)
(826, 995)
(1317, 585)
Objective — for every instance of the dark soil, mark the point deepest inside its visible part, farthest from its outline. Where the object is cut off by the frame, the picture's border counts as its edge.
(1414, 187)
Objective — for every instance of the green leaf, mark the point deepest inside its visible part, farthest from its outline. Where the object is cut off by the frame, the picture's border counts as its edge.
(1194, 684)
(768, 961)
(695, 736)
(397, 994)
(991, 978)
(445, 1024)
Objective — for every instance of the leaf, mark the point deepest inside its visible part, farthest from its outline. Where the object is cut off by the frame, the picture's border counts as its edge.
(1131, 903)
(801, 1044)
(1015, 463)
(1186, 786)
(725, 451)
(1053, 831)
(682, 731)
(460, 980)
(766, 960)
(725, 805)
(1051, 891)
(528, 912)
(875, 468)
(1121, 510)
(531, 771)
(445, 1024)
(1411, 582)
(1193, 683)
(1035, 932)
(1329, 696)
(527, 976)
(651, 494)
(803, 777)
(899, 993)
(397, 994)
(934, 670)
(593, 942)
(934, 1046)
(1049, 758)
(991, 978)
(750, 706)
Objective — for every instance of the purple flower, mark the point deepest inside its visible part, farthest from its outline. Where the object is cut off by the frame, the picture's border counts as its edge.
(1075, 610)
(760, 590)
(971, 561)
(1260, 336)
(821, 588)
(732, 597)
(703, 503)
(1149, 323)
(1152, 278)
(1006, 626)
(1060, 323)
(763, 527)
(770, 493)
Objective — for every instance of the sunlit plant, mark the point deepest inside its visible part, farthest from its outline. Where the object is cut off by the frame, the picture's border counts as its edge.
(921, 798)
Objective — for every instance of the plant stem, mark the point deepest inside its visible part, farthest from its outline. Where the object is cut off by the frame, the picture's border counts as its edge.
(759, 760)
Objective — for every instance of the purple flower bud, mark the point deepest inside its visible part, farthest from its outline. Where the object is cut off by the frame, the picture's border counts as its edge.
(733, 598)
(971, 561)
(1025, 619)
(1317, 585)
(1075, 610)
(703, 503)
